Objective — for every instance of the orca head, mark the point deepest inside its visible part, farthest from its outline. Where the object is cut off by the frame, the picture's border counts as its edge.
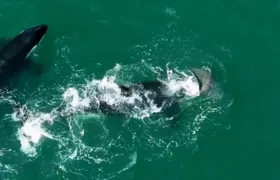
(23, 44)
(35, 33)
(203, 78)
(31, 37)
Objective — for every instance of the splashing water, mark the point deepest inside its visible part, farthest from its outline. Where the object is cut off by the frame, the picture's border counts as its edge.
(187, 83)
(31, 132)
(73, 144)
(78, 99)
(108, 91)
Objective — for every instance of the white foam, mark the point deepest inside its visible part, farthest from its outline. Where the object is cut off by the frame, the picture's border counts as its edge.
(191, 87)
(106, 90)
(71, 96)
(176, 83)
(32, 131)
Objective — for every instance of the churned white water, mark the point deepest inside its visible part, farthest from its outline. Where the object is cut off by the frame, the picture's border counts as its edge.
(106, 90)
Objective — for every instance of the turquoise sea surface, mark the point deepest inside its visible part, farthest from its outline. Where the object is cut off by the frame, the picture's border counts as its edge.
(230, 134)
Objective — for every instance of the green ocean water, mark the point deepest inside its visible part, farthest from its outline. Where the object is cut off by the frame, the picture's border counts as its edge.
(232, 135)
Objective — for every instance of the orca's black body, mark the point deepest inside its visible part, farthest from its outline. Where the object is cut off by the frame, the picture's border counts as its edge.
(13, 55)
(157, 94)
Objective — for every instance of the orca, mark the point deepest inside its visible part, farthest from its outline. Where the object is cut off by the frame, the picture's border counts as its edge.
(15, 52)
(157, 94)
(169, 104)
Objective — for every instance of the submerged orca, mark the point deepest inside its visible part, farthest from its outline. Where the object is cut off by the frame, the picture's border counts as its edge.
(155, 91)
(14, 54)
